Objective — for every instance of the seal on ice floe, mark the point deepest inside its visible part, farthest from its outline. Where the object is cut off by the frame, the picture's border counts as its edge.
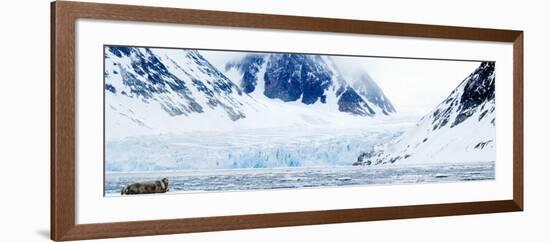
(146, 187)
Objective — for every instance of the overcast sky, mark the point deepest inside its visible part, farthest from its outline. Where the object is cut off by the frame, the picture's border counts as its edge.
(414, 86)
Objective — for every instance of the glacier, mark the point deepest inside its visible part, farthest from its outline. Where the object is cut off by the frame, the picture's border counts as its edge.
(254, 148)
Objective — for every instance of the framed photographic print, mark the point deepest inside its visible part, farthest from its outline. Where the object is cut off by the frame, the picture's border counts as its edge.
(240, 120)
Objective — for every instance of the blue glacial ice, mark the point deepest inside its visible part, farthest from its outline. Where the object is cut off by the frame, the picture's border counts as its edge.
(260, 148)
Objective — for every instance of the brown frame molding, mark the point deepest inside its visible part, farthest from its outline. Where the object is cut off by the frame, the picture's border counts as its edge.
(63, 17)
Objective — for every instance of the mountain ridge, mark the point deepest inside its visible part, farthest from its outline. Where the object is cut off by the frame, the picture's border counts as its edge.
(309, 79)
(153, 90)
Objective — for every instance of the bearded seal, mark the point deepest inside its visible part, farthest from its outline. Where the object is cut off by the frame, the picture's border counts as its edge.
(146, 187)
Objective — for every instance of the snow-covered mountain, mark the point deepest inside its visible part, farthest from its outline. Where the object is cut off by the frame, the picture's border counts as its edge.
(175, 82)
(308, 79)
(149, 91)
(459, 129)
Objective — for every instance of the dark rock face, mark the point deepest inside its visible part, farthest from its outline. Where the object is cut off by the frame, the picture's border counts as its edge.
(351, 102)
(290, 77)
(479, 88)
(372, 158)
(110, 88)
(364, 159)
(120, 50)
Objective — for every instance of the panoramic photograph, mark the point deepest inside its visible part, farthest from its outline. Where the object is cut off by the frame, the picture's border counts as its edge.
(191, 120)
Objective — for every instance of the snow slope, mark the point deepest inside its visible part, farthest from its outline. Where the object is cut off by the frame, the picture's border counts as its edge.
(459, 129)
(152, 90)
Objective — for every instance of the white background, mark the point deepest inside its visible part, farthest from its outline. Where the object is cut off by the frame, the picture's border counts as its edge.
(92, 207)
(24, 124)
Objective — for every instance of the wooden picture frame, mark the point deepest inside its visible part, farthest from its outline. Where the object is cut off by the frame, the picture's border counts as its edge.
(63, 17)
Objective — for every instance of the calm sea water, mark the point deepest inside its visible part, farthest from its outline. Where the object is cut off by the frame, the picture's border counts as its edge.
(303, 177)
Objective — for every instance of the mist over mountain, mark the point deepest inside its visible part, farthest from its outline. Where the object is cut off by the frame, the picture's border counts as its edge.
(310, 79)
